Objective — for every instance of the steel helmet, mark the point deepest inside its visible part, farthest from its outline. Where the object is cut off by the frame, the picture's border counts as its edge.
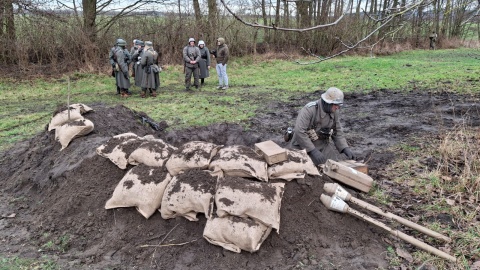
(201, 42)
(121, 42)
(333, 95)
(191, 39)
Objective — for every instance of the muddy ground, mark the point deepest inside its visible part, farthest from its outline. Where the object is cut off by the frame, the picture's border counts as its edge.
(58, 198)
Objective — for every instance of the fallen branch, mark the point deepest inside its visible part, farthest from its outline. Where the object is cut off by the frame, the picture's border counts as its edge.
(168, 245)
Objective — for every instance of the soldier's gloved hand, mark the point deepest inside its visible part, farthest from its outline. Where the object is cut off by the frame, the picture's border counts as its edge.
(348, 153)
(317, 157)
(125, 74)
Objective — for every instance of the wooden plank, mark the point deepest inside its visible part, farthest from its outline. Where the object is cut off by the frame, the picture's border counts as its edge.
(271, 151)
(348, 175)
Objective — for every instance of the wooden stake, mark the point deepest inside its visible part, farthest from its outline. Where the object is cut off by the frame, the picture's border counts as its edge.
(337, 204)
(336, 189)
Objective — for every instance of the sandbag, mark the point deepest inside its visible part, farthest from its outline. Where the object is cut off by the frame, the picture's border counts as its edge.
(68, 131)
(241, 197)
(119, 148)
(76, 112)
(141, 187)
(153, 152)
(194, 154)
(189, 193)
(235, 233)
(62, 117)
(242, 161)
(297, 164)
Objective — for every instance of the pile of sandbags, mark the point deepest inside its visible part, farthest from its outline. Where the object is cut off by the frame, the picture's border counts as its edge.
(200, 177)
(69, 124)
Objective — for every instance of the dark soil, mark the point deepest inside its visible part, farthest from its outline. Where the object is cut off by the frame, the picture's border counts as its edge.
(59, 196)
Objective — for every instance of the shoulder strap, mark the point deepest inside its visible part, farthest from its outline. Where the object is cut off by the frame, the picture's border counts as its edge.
(313, 124)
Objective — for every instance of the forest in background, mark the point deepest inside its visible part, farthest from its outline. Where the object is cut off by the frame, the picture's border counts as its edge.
(67, 35)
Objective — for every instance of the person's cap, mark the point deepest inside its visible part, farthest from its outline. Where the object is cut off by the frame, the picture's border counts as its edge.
(333, 95)
(191, 39)
(148, 43)
(201, 42)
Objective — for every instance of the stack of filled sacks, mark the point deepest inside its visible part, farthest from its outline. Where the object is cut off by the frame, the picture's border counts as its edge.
(202, 177)
(69, 124)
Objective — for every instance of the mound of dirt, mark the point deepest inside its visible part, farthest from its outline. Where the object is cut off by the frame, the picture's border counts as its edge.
(58, 197)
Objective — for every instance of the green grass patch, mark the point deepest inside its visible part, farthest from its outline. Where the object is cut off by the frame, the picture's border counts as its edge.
(17, 263)
(26, 106)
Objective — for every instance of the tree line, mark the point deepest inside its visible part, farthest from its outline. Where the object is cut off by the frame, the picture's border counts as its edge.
(79, 33)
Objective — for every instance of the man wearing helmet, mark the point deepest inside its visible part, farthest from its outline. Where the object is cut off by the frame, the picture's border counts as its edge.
(318, 129)
(191, 57)
(122, 60)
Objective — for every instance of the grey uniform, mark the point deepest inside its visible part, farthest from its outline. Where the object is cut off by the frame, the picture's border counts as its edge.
(204, 62)
(191, 53)
(150, 78)
(122, 57)
(326, 144)
(136, 58)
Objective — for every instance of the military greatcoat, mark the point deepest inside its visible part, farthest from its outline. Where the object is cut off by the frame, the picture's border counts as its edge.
(122, 58)
(150, 78)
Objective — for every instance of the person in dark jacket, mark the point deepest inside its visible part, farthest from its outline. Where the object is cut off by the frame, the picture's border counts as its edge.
(191, 57)
(204, 63)
(111, 58)
(150, 78)
(318, 129)
(122, 60)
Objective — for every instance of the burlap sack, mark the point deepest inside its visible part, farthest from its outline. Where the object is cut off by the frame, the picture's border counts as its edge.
(153, 152)
(195, 154)
(244, 198)
(189, 193)
(142, 187)
(242, 161)
(119, 148)
(76, 111)
(235, 233)
(68, 131)
(297, 164)
(62, 117)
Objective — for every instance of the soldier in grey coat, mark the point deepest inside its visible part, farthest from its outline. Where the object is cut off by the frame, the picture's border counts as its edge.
(137, 68)
(191, 57)
(112, 62)
(122, 60)
(204, 62)
(150, 78)
(318, 129)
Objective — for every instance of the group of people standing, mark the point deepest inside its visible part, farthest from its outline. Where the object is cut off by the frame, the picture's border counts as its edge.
(197, 62)
(143, 60)
(145, 69)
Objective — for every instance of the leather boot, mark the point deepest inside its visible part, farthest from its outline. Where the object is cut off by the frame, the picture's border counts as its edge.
(154, 93)
(143, 93)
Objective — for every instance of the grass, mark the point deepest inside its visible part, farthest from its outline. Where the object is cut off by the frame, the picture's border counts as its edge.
(16, 263)
(451, 189)
(26, 106)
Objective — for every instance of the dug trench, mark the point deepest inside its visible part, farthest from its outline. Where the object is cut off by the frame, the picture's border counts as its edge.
(52, 202)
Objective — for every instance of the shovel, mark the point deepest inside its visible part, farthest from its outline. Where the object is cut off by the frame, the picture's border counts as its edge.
(336, 189)
(336, 204)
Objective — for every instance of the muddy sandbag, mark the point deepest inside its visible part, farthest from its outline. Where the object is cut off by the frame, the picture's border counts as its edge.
(62, 117)
(153, 152)
(241, 197)
(76, 112)
(194, 154)
(235, 233)
(242, 161)
(119, 148)
(141, 187)
(68, 131)
(297, 164)
(189, 193)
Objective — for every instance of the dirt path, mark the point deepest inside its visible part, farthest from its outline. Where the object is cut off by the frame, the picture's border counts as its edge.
(59, 197)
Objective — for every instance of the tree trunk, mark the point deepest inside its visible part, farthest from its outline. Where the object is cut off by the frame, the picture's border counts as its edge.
(212, 22)
(2, 17)
(89, 18)
(265, 21)
(10, 21)
(198, 13)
